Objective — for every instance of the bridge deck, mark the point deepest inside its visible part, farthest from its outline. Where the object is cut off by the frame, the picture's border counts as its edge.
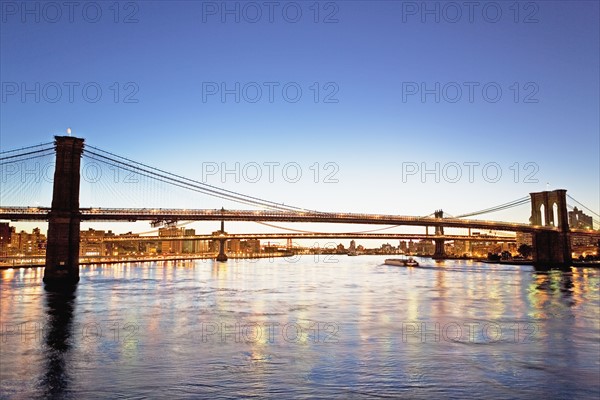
(113, 214)
(316, 235)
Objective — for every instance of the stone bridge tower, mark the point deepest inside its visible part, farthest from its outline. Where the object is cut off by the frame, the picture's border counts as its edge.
(62, 250)
(551, 248)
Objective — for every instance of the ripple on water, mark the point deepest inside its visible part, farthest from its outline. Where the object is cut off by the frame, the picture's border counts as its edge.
(354, 329)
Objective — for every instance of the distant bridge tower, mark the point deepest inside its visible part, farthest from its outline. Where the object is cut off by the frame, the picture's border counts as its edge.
(62, 251)
(551, 249)
(439, 252)
(222, 243)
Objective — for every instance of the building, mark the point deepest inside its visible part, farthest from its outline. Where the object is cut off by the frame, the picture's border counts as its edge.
(91, 243)
(578, 220)
(24, 243)
(524, 238)
(423, 247)
(250, 246)
(582, 241)
(483, 248)
(234, 246)
(462, 247)
(171, 246)
(5, 234)
(403, 246)
(387, 249)
(189, 246)
(352, 248)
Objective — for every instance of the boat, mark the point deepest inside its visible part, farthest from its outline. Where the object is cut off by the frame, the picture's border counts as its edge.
(411, 262)
(402, 262)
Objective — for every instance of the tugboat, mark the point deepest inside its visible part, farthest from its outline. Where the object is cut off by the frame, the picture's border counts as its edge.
(411, 262)
(402, 262)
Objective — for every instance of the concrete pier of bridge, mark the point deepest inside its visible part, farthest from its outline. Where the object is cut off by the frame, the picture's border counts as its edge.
(439, 252)
(62, 251)
(222, 257)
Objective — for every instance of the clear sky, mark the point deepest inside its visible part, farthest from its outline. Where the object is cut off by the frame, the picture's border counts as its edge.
(372, 91)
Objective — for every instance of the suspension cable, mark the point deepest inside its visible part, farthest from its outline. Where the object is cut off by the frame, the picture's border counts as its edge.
(209, 189)
(170, 182)
(26, 158)
(582, 205)
(302, 231)
(26, 148)
(500, 207)
(24, 154)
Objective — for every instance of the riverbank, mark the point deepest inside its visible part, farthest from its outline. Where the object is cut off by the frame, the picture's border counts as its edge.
(577, 264)
(38, 264)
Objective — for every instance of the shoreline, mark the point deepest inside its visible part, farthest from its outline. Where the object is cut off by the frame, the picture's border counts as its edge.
(576, 264)
(154, 259)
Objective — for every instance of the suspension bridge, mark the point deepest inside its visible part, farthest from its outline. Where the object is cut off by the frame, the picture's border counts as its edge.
(548, 224)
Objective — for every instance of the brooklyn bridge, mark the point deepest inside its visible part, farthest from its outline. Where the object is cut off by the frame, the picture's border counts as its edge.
(548, 224)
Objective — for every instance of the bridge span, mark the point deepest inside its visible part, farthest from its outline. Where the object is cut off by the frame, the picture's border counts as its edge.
(161, 214)
(316, 235)
(549, 224)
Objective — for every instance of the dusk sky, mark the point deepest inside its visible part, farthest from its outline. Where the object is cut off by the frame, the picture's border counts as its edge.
(369, 90)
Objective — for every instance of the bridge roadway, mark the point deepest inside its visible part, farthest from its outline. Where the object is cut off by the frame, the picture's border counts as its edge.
(149, 214)
(316, 235)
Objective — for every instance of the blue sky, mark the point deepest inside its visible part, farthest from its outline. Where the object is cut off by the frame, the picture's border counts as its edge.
(370, 61)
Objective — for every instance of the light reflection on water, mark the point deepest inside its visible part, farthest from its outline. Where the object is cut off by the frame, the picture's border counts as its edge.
(311, 328)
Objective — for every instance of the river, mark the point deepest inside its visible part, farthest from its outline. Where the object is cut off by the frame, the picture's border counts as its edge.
(310, 326)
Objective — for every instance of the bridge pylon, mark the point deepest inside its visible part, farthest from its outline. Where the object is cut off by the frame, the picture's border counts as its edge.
(62, 250)
(551, 248)
(439, 252)
(222, 256)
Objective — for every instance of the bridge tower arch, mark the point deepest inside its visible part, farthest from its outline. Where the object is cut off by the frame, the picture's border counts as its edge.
(551, 248)
(62, 250)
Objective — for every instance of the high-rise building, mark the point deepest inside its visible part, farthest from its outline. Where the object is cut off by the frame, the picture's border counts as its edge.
(403, 246)
(189, 246)
(171, 246)
(234, 245)
(5, 232)
(578, 220)
(251, 246)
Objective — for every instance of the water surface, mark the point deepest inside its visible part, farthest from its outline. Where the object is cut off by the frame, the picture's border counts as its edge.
(341, 326)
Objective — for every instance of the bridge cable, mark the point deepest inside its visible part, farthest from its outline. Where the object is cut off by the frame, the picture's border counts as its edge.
(23, 154)
(26, 158)
(302, 231)
(28, 147)
(184, 185)
(157, 177)
(582, 205)
(500, 207)
(202, 186)
(274, 205)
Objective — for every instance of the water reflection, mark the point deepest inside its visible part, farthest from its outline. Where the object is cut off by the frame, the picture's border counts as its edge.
(60, 305)
(554, 282)
(168, 331)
